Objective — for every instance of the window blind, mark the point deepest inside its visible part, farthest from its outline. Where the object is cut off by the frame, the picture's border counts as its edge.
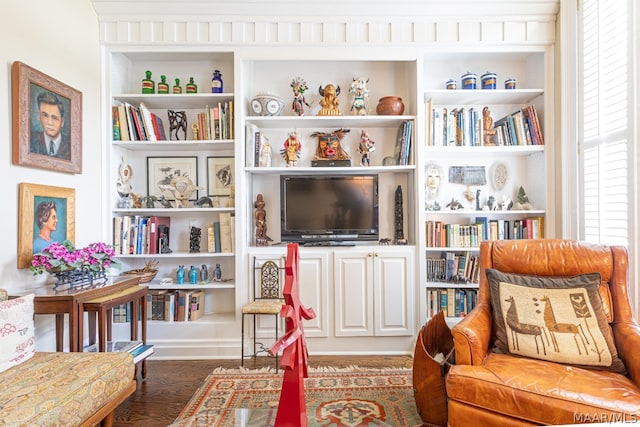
(605, 130)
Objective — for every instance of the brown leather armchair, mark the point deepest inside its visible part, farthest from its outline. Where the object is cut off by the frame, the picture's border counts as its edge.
(490, 388)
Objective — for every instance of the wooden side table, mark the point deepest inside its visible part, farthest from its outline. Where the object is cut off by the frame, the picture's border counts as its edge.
(103, 306)
(61, 302)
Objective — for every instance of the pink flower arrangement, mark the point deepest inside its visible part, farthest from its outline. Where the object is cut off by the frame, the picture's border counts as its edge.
(59, 257)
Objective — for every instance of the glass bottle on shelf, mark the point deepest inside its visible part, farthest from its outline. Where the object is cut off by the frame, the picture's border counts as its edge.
(177, 88)
(193, 275)
(180, 275)
(148, 85)
(216, 82)
(191, 86)
(163, 86)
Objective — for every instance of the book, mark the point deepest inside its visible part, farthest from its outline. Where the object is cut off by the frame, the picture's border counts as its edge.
(153, 230)
(225, 232)
(141, 352)
(115, 116)
(115, 346)
(196, 305)
(147, 123)
(216, 237)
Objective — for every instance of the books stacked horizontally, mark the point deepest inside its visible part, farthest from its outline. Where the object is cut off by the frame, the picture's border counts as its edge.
(137, 349)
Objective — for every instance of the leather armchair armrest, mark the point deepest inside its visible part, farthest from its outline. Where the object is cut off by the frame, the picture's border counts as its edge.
(627, 338)
(472, 334)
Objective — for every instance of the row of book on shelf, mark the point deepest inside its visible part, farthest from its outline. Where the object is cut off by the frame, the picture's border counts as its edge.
(175, 305)
(455, 302)
(453, 267)
(464, 127)
(138, 349)
(445, 235)
(404, 141)
(139, 123)
(141, 235)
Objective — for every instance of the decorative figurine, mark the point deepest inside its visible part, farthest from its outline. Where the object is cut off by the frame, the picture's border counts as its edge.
(204, 201)
(181, 187)
(136, 200)
(177, 88)
(365, 148)
(478, 199)
(163, 86)
(163, 232)
(265, 153)
(360, 93)
(329, 101)
(149, 201)
(292, 148)
(299, 86)
(216, 82)
(191, 86)
(204, 273)
(522, 203)
(454, 205)
(260, 216)
(177, 122)
(217, 273)
(399, 218)
(194, 240)
(180, 275)
(487, 126)
(267, 104)
(193, 275)
(123, 184)
(329, 147)
(148, 85)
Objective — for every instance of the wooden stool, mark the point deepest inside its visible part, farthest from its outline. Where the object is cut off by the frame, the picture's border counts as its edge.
(103, 306)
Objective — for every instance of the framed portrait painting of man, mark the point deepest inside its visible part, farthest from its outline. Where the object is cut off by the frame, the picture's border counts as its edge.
(47, 121)
(46, 215)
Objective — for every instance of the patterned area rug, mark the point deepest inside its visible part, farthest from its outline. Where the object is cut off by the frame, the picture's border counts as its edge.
(351, 397)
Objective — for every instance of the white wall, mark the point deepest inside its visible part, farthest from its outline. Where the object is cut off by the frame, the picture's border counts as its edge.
(60, 39)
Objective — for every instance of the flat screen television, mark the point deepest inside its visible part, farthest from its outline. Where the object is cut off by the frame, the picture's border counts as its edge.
(329, 208)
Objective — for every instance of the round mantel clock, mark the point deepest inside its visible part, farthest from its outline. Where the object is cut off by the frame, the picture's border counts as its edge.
(267, 104)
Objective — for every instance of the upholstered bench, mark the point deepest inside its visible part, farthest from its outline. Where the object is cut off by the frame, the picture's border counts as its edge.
(56, 389)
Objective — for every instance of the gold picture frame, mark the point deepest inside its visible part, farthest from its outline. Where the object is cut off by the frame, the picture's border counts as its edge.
(35, 198)
(44, 107)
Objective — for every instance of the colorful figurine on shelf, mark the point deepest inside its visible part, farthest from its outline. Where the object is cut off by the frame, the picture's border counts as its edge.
(193, 275)
(123, 184)
(365, 148)
(177, 122)
(204, 273)
(163, 86)
(292, 148)
(329, 147)
(148, 85)
(180, 275)
(194, 239)
(191, 86)
(177, 88)
(299, 86)
(329, 101)
(360, 93)
(216, 82)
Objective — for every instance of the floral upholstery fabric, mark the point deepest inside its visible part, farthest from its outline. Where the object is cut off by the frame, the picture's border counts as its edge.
(62, 389)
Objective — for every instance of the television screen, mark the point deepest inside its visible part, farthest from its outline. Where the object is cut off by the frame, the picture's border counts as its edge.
(317, 208)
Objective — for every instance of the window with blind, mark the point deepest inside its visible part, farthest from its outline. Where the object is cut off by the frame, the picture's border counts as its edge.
(605, 122)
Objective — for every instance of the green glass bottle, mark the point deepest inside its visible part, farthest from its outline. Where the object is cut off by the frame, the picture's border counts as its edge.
(177, 88)
(163, 86)
(191, 86)
(148, 85)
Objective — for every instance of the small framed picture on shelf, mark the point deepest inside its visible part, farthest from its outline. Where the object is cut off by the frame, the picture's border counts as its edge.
(220, 179)
(48, 215)
(164, 173)
(47, 121)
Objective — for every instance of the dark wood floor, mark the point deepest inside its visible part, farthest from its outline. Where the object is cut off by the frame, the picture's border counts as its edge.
(170, 384)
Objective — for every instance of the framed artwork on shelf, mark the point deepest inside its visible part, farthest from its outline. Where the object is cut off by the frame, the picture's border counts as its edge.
(220, 179)
(48, 214)
(47, 121)
(163, 173)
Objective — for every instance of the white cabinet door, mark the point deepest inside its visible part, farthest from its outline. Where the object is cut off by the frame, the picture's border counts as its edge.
(393, 289)
(353, 284)
(313, 288)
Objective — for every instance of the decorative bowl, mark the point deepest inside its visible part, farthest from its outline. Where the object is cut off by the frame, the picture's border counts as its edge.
(267, 104)
(390, 106)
